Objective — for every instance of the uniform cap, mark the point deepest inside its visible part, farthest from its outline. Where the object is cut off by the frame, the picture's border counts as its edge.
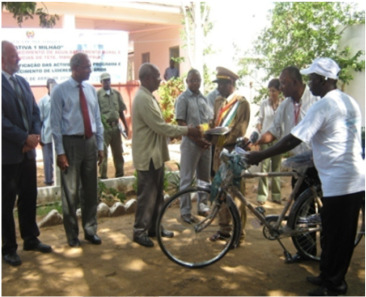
(104, 76)
(323, 66)
(225, 74)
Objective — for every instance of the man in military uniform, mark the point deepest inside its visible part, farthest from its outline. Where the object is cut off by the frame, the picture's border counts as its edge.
(230, 110)
(112, 109)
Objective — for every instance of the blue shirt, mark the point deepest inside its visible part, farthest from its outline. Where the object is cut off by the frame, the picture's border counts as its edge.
(45, 110)
(66, 116)
(193, 108)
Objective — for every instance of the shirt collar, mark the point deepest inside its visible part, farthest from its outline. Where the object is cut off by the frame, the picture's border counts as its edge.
(104, 92)
(7, 75)
(193, 94)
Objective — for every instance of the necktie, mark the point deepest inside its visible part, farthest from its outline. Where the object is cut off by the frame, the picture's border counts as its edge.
(20, 99)
(84, 111)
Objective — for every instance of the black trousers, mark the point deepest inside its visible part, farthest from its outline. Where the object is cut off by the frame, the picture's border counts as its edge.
(339, 217)
(312, 175)
(19, 179)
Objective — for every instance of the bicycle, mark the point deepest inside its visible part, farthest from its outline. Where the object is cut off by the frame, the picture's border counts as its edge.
(299, 219)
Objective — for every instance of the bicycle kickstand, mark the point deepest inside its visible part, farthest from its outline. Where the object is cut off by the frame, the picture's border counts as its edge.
(287, 254)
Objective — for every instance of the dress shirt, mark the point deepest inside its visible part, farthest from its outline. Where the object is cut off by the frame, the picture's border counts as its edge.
(45, 110)
(150, 132)
(193, 108)
(8, 76)
(211, 97)
(66, 116)
(171, 72)
(284, 119)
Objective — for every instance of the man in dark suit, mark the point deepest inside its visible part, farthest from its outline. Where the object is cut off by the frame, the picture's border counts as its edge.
(21, 128)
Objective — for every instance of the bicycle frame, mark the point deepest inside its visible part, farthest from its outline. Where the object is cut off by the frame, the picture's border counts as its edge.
(274, 229)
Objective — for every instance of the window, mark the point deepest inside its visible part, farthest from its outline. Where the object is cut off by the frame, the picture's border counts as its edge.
(145, 58)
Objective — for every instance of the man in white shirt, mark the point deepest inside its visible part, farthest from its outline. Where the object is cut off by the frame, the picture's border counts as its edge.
(333, 127)
(46, 133)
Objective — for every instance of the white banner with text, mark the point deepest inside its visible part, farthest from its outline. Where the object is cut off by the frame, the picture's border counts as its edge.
(46, 53)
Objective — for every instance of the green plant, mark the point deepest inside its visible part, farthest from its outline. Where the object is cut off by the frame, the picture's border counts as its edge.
(168, 93)
(109, 195)
(43, 210)
(298, 33)
(25, 10)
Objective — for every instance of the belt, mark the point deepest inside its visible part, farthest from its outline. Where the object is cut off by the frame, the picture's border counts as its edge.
(75, 136)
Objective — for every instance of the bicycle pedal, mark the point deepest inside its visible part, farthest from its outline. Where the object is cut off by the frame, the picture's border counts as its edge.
(260, 209)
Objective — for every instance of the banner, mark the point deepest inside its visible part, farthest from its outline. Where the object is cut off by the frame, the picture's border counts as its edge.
(46, 53)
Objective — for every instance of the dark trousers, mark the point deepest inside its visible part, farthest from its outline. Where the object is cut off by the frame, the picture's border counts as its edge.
(312, 176)
(339, 217)
(113, 138)
(19, 179)
(150, 199)
(79, 185)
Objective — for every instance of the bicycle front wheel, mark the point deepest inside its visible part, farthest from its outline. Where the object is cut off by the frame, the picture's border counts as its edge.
(305, 220)
(191, 245)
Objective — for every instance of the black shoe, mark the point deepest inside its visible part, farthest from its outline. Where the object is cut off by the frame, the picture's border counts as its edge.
(315, 280)
(94, 239)
(324, 291)
(189, 219)
(38, 246)
(321, 291)
(296, 259)
(74, 242)
(164, 233)
(219, 236)
(143, 240)
(13, 259)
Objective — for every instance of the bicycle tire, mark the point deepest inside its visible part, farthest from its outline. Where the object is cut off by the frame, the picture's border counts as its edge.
(188, 247)
(305, 214)
(361, 224)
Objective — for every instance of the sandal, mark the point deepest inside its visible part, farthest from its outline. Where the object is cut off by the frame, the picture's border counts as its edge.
(219, 236)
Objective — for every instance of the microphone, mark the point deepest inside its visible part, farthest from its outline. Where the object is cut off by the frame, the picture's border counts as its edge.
(254, 136)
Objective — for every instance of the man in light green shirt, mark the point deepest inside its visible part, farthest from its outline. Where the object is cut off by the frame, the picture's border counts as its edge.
(149, 152)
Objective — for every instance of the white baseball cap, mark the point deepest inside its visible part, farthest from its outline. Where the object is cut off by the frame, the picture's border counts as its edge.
(323, 66)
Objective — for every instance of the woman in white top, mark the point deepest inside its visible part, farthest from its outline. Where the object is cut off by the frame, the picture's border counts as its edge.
(266, 115)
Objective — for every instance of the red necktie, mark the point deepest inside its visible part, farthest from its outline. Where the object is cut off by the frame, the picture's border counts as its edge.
(84, 111)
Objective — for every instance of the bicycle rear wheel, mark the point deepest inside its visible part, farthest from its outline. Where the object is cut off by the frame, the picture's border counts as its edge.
(191, 245)
(305, 219)
(361, 224)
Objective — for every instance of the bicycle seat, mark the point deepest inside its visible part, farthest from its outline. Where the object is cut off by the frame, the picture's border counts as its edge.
(300, 161)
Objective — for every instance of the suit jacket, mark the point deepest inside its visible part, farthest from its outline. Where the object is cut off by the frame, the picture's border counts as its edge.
(14, 133)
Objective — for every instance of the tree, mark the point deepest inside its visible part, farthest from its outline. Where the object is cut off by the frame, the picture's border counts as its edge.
(24, 10)
(196, 27)
(302, 31)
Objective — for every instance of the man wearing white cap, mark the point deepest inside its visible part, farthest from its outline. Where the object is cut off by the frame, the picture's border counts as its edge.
(333, 127)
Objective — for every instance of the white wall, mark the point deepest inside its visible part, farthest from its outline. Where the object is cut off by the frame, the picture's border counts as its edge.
(355, 38)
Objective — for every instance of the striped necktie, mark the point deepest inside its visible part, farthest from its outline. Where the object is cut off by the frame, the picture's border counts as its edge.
(84, 110)
(21, 103)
